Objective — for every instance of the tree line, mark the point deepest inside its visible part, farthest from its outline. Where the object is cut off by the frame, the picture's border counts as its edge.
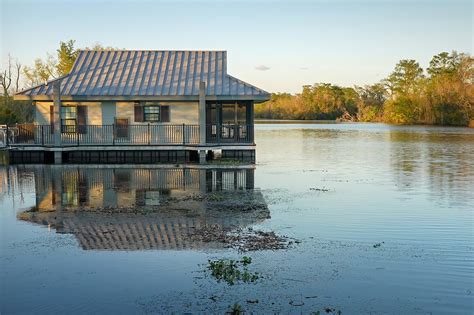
(441, 95)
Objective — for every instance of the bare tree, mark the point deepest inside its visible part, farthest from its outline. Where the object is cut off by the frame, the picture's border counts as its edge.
(6, 78)
(17, 76)
(11, 74)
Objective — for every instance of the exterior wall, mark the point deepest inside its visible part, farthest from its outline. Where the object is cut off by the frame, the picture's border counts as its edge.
(104, 113)
(125, 110)
(184, 113)
(42, 113)
(180, 112)
(94, 112)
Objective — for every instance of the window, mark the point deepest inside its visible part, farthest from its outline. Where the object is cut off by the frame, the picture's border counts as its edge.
(151, 113)
(69, 118)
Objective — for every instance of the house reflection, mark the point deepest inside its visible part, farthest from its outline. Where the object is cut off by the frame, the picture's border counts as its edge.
(143, 208)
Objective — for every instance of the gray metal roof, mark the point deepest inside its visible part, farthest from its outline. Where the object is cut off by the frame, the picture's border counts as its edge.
(145, 73)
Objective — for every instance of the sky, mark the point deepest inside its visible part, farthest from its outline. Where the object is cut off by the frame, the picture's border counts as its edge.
(276, 45)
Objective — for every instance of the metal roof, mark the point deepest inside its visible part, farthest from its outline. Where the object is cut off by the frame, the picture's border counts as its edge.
(146, 73)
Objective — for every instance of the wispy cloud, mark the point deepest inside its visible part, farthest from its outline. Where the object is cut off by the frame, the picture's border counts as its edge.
(262, 68)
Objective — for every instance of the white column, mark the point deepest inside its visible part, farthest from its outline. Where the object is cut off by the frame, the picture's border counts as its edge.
(57, 120)
(202, 113)
(202, 121)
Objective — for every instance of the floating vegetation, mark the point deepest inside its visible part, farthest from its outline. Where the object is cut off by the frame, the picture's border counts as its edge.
(378, 245)
(235, 309)
(332, 310)
(242, 239)
(318, 189)
(327, 310)
(232, 271)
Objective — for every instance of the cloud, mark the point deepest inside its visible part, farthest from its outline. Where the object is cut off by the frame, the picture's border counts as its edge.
(262, 68)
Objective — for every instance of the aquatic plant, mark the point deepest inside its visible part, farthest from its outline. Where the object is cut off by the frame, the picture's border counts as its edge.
(232, 271)
(235, 309)
(378, 245)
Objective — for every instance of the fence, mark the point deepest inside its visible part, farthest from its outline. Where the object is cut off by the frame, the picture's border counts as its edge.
(143, 134)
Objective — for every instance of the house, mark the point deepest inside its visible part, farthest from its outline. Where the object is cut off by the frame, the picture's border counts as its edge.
(135, 106)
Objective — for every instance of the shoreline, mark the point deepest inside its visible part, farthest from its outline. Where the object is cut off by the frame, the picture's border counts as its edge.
(301, 121)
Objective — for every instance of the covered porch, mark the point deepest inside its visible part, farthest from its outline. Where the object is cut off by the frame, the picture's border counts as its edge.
(225, 123)
(24, 135)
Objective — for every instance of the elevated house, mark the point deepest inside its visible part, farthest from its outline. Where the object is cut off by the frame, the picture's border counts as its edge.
(128, 106)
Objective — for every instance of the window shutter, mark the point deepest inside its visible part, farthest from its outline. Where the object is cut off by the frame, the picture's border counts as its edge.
(51, 119)
(165, 113)
(82, 119)
(138, 113)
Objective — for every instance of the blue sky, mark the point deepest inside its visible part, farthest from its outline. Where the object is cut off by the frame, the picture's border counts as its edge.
(276, 45)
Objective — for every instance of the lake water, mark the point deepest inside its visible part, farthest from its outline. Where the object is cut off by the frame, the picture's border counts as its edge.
(384, 216)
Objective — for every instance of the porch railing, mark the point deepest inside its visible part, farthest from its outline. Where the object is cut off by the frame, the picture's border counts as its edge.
(142, 134)
(229, 133)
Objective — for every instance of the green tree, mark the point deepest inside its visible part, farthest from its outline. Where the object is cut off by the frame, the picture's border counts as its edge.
(67, 55)
(406, 84)
(406, 77)
(372, 102)
(100, 47)
(444, 63)
(450, 89)
(51, 67)
(42, 71)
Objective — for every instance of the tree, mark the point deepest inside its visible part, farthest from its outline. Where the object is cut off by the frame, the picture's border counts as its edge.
(13, 111)
(67, 55)
(444, 63)
(10, 75)
(52, 67)
(406, 77)
(100, 47)
(372, 98)
(406, 86)
(42, 71)
(450, 88)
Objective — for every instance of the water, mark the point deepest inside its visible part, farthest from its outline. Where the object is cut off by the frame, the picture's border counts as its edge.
(338, 188)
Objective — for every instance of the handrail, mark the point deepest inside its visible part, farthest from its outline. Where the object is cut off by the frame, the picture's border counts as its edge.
(132, 134)
(229, 133)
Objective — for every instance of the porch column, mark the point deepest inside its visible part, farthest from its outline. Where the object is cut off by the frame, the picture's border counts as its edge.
(202, 113)
(57, 120)
(251, 121)
(202, 121)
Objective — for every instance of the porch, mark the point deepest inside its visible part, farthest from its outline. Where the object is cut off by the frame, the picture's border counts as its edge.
(33, 135)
